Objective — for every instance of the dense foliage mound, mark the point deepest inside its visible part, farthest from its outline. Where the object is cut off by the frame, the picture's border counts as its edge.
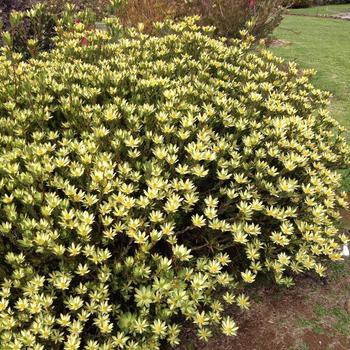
(145, 180)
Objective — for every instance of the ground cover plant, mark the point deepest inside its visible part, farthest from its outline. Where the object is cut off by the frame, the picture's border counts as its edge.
(149, 178)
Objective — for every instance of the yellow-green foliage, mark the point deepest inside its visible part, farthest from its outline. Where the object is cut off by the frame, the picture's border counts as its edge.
(144, 180)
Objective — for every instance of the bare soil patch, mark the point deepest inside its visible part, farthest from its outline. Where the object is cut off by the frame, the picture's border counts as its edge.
(313, 315)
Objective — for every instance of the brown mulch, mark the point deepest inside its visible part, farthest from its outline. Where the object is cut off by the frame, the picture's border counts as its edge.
(273, 322)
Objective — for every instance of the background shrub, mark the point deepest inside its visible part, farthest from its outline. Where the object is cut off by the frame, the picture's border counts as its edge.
(53, 7)
(145, 180)
(228, 16)
(330, 2)
(301, 3)
(31, 23)
(308, 3)
(7, 6)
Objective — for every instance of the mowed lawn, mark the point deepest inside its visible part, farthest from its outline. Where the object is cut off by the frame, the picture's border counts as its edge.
(323, 44)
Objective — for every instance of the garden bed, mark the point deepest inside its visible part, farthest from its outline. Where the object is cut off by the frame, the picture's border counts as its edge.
(313, 315)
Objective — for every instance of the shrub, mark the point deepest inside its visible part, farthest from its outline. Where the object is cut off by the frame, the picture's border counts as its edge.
(52, 7)
(228, 16)
(301, 3)
(7, 6)
(147, 12)
(32, 23)
(328, 2)
(147, 179)
(308, 3)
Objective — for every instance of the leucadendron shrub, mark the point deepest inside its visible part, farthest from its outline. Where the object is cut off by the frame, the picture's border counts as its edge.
(145, 180)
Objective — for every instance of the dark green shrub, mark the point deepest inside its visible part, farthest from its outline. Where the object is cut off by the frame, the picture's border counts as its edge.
(300, 3)
(52, 7)
(7, 6)
(145, 179)
(31, 24)
(329, 2)
(308, 3)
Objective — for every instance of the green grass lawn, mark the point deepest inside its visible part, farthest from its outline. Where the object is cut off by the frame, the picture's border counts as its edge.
(323, 44)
